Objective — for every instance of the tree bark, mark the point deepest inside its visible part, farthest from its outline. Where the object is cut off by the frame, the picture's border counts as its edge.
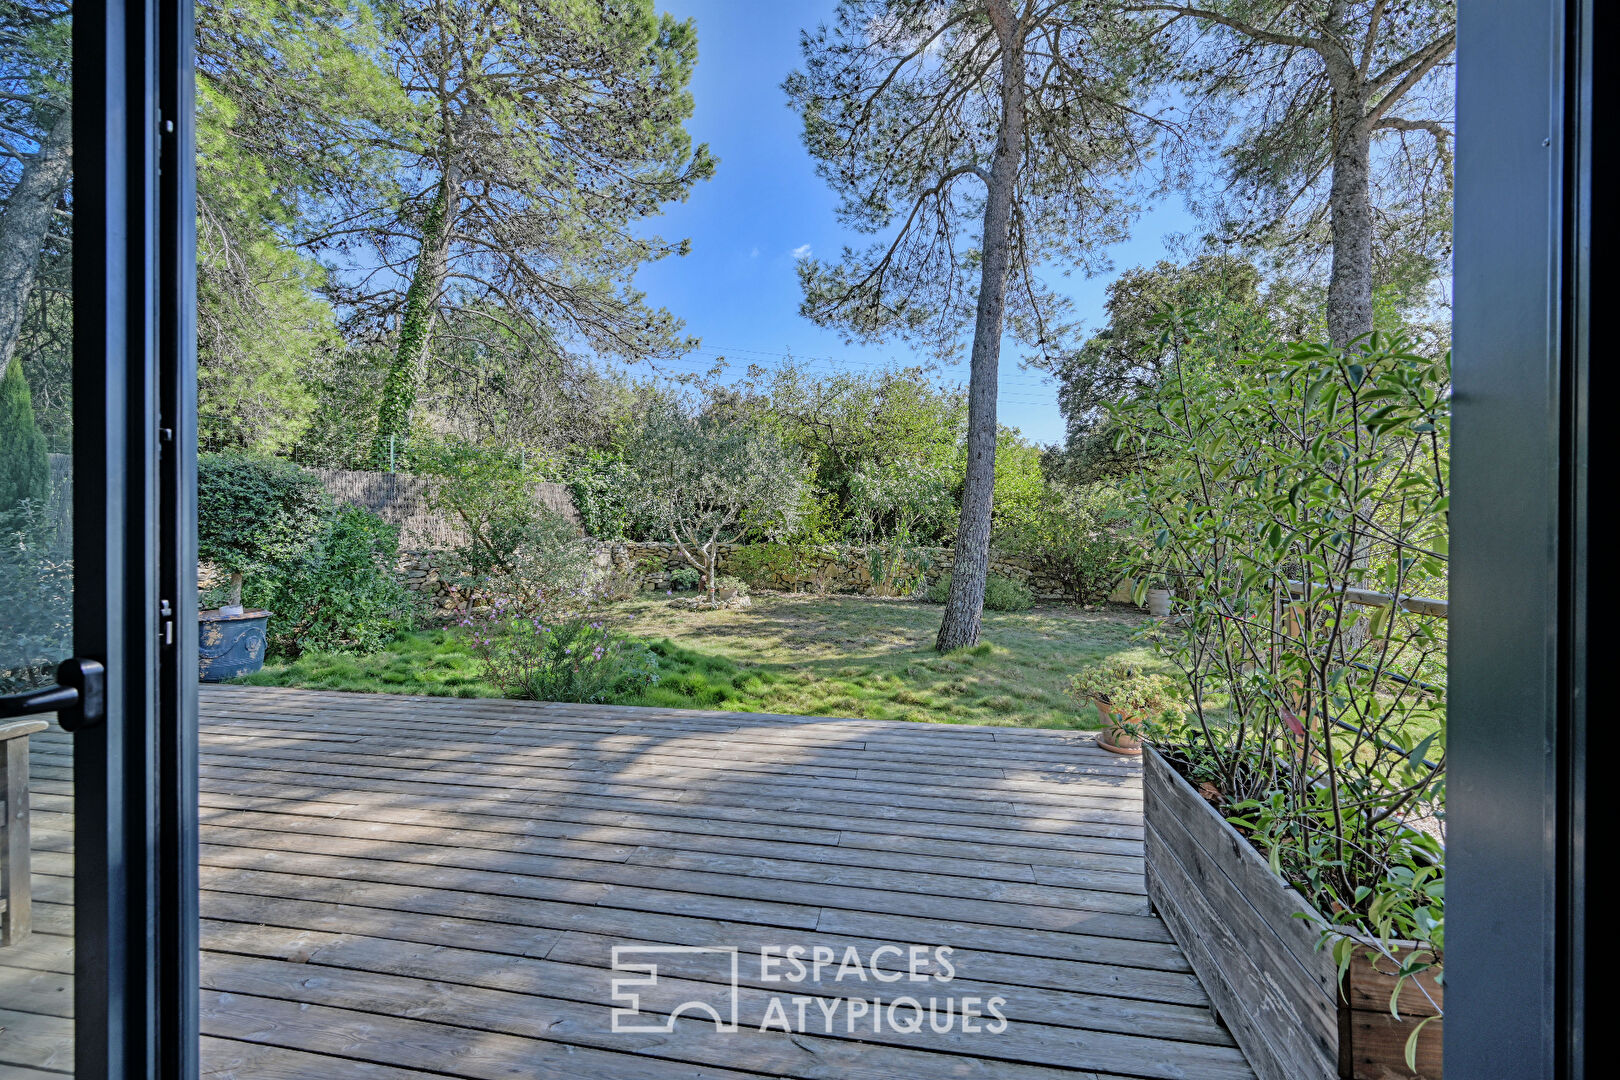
(27, 220)
(1349, 298)
(964, 603)
(416, 324)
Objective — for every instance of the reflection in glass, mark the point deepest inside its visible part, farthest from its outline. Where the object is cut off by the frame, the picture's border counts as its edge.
(36, 532)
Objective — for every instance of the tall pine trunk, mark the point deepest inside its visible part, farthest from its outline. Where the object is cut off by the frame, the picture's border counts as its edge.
(1349, 299)
(964, 603)
(416, 325)
(1350, 288)
(25, 224)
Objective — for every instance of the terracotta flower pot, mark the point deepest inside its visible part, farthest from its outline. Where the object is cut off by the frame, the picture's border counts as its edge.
(1115, 736)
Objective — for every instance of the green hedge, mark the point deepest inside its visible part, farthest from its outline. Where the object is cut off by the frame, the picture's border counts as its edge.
(326, 573)
(1000, 593)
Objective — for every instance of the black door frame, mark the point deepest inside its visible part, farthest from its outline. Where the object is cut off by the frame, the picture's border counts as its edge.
(135, 595)
(1532, 127)
(1531, 150)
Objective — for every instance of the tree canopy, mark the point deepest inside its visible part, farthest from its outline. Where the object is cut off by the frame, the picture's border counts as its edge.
(1341, 115)
(543, 131)
(291, 98)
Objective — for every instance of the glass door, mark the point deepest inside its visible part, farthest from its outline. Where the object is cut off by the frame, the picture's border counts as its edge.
(36, 540)
(97, 908)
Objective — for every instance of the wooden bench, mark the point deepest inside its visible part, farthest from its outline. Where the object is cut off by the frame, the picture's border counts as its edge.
(16, 907)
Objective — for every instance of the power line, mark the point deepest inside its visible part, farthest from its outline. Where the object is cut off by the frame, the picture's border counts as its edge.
(1016, 379)
(688, 367)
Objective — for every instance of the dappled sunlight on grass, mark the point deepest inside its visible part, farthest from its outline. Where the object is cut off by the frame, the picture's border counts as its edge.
(804, 655)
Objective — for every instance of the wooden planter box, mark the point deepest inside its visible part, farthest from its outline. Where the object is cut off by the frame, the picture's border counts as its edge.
(1270, 985)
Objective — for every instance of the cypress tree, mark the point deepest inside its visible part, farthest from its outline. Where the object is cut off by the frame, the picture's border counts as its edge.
(25, 472)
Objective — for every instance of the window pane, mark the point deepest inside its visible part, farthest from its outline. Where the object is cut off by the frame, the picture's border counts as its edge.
(36, 532)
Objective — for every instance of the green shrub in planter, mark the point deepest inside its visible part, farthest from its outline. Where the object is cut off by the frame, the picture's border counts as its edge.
(1000, 594)
(1130, 691)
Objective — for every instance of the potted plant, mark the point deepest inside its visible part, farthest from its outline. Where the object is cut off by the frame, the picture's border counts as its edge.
(253, 515)
(1127, 700)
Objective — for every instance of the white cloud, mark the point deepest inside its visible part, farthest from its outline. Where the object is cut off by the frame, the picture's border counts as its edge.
(754, 254)
(802, 251)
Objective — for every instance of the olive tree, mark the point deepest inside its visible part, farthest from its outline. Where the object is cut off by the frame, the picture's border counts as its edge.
(707, 479)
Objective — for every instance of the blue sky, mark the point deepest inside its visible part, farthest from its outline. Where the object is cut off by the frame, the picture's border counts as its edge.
(737, 290)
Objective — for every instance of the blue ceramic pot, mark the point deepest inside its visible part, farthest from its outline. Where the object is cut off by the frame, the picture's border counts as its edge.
(230, 645)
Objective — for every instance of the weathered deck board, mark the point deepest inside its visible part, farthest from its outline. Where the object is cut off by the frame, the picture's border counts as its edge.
(399, 887)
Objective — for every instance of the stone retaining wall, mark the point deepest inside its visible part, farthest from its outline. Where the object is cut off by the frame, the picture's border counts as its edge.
(402, 500)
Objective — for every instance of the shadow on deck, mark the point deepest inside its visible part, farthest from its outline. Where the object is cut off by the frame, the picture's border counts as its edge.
(407, 887)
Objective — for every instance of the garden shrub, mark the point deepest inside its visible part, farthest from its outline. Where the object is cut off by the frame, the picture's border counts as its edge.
(342, 594)
(536, 654)
(256, 515)
(1269, 485)
(1000, 593)
(514, 544)
(603, 484)
(898, 567)
(1073, 539)
(685, 579)
(1005, 594)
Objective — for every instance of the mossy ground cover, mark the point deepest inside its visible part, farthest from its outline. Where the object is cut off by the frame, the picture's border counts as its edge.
(806, 655)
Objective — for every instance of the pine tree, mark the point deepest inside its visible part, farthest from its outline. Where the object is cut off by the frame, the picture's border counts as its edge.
(1344, 136)
(546, 129)
(983, 139)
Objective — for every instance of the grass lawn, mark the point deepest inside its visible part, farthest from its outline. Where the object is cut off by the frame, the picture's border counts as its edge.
(807, 655)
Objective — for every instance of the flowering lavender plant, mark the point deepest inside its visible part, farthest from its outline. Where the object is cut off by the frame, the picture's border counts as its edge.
(551, 649)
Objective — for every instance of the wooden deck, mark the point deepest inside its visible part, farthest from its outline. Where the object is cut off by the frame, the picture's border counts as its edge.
(402, 887)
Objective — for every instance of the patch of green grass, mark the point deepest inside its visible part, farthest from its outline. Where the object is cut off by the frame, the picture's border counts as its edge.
(428, 662)
(803, 655)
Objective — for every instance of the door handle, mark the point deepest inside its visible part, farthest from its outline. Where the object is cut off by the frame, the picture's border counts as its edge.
(79, 698)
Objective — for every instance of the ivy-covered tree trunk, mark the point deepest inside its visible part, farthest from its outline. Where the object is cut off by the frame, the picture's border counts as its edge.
(416, 324)
(964, 604)
(25, 223)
